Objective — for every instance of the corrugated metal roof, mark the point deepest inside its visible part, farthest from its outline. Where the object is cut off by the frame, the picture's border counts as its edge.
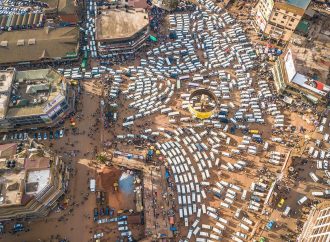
(299, 3)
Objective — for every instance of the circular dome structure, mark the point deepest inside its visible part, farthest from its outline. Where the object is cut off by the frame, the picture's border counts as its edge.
(202, 103)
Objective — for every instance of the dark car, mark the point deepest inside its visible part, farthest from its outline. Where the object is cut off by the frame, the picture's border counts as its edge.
(51, 135)
(57, 134)
(112, 211)
(18, 228)
(96, 214)
(107, 211)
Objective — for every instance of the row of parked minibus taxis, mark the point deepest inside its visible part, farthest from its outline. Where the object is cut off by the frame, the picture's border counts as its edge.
(150, 93)
(89, 30)
(192, 191)
(319, 152)
(180, 163)
(188, 185)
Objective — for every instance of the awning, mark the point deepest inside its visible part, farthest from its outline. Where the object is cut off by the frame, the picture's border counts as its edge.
(153, 38)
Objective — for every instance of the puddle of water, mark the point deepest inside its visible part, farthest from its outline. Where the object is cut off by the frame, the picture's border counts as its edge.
(125, 183)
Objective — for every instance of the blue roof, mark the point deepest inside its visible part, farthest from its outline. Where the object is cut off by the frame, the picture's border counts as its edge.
(299, 3)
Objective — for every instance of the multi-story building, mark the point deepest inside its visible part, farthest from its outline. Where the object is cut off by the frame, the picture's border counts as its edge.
(302, 77)
(120, 32)
(32, 180)
(278, 19)
(43, 45)
(317, 226)
(33, 98)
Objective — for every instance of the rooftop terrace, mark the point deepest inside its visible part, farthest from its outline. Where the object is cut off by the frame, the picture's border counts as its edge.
(119, 24)
(32, 91)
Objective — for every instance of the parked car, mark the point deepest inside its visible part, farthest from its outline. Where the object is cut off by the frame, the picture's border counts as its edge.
(96, 214)
(280, 203)
(61, 133)
(107, 211)
(57, 134)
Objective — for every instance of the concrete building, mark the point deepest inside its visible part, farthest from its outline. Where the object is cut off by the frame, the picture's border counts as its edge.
(317, 226)
(64, 10)
(32, 180)
(120, 32)
(34, 98)
(295, 74)
(45, 45)
(278, 19)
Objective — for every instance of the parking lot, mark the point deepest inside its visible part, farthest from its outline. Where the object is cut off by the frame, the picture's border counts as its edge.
(249, 172)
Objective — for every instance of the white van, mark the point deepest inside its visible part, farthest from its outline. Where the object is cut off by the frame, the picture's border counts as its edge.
(316, 154)
(241, 235)
(286, 211)
(266, 145)
(244, 193)
(246, 220)
(302, 200)
(238, 213)
(243, 226)
(314, 177)
(326, 137)
(310, 150)
(318, 194)
(123, 228)
(226, 154)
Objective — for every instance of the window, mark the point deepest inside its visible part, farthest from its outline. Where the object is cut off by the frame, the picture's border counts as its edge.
(290, 25)
(274, 19)
(292, 20)
(276, 14)
(282, 22)
(294, 14)
(284, 17)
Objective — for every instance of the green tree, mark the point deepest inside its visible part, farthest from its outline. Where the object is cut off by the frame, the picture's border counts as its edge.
(101, 158)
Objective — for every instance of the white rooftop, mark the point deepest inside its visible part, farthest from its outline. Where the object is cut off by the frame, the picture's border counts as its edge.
(41, 177)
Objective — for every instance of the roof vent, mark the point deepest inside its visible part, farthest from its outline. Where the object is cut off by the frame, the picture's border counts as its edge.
(20, 42)
(31, 41)
(4, 43)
